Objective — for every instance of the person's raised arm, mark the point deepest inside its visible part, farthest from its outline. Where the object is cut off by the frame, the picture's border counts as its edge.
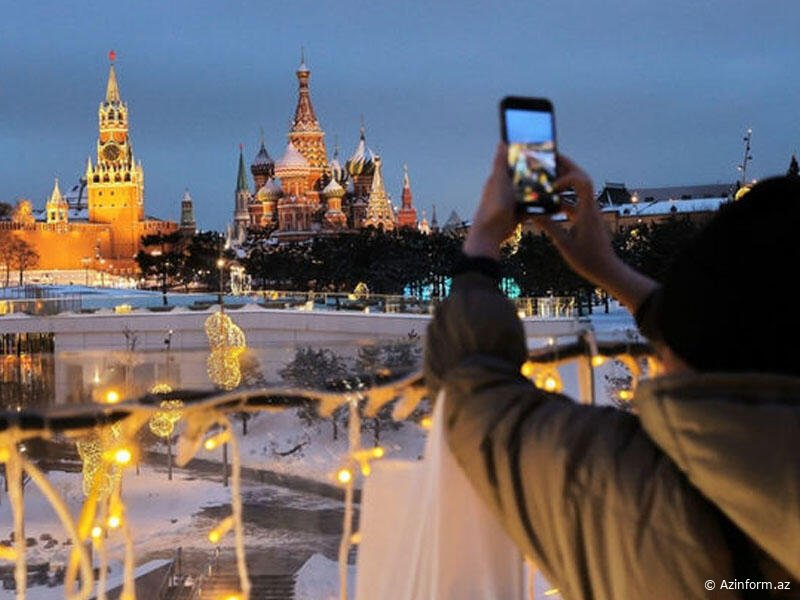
(584, 242)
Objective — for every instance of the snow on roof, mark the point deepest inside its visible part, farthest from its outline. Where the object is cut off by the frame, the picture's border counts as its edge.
(666, 207)
(292, 159)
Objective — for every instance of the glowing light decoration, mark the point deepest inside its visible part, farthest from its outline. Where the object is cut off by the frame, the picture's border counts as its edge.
(227, 342)
(101, 470)
(163, 422)
(548, 379)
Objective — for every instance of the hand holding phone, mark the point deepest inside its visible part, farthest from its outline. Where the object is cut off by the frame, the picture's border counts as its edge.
(528, 128)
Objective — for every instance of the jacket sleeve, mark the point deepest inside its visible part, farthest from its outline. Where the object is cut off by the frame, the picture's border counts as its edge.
(581, 490)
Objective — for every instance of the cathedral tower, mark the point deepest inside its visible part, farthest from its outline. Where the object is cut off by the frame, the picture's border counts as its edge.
(379, 209)
(407, 216)
(306, 135)
(115, 182)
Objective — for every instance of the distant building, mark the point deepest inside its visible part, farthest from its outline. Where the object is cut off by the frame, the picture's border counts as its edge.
(188, 225)
(106, 232)
(407, 215)
(302, 194)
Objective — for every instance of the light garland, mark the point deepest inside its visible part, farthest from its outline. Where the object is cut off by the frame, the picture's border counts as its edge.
(105, 451)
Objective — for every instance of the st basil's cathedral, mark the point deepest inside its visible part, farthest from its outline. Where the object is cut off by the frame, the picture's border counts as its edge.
(302, 194)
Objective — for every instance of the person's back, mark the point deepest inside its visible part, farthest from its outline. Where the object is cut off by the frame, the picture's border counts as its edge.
(700, 489)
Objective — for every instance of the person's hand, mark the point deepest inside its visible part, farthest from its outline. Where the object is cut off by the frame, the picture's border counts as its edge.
(584, 242)
(495, 219)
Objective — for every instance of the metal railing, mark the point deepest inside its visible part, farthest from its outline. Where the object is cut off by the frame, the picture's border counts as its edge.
(46, 304)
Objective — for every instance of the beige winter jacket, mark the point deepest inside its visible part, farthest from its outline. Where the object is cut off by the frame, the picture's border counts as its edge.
(702, 485)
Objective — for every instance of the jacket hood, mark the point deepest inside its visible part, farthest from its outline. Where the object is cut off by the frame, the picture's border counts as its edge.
(737, 439)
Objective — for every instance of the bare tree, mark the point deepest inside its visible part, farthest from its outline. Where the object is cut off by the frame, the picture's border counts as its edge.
(23, 257)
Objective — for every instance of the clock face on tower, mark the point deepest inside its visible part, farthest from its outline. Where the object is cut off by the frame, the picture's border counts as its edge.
(111, 152)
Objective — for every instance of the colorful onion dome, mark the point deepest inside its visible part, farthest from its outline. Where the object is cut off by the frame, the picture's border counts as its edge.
(263, 163)
(362, 162)
(333, 189)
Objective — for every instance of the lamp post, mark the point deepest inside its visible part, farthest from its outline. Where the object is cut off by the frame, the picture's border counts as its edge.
(221, 266)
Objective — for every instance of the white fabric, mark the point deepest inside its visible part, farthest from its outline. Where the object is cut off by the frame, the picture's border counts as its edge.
(426, 535)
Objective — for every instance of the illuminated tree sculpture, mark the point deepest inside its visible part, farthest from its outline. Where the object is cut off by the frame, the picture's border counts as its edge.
(227, 343)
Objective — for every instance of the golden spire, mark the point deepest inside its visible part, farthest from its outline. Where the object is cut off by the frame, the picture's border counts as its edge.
(112, 89)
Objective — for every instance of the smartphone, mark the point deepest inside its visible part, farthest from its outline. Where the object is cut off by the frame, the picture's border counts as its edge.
(528, 127)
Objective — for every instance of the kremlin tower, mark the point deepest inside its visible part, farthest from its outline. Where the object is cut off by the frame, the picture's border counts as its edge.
(241, 216)
(407, 216)
(115, 183)
(188, 225)
(56, 208)
(109, 231)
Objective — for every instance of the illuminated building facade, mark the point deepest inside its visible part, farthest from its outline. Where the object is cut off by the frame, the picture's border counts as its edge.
(302, 194)
(107, 229)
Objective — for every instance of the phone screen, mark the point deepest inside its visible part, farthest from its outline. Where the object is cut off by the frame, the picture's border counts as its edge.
(532, 158)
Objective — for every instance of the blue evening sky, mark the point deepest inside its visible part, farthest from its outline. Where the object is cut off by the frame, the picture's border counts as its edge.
(649, 93)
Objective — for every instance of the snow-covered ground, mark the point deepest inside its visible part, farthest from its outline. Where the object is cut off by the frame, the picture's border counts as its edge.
(318, 455)
(165, 515)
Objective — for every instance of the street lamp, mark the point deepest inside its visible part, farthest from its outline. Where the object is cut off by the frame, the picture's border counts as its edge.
(220, 266)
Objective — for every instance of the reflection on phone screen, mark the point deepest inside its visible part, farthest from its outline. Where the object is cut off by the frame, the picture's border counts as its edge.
(531, 154)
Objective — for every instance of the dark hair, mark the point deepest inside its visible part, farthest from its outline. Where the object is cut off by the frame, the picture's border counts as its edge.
(727, 303)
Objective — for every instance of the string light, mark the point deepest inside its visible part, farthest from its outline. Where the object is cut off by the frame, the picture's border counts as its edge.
(548, 380)
(344, 475)
(217, 440)
(123, 456)
(102, 446)
(222, 528)
(527, 369)
(625, 395)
